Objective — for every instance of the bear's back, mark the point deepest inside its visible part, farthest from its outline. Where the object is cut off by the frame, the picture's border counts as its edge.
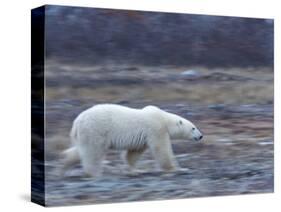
(109, 114)
(117, 117)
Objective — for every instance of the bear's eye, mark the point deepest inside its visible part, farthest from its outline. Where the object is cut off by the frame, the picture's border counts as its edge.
(193, 128)
(180, 122)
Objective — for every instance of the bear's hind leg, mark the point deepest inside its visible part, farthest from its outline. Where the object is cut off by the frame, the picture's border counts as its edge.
(91, 158)
(70, 157)
(132, 157)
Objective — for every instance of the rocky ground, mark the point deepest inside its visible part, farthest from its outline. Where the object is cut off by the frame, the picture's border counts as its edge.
(233, 108)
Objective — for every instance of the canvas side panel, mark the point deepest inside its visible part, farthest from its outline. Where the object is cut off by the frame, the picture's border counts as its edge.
(37, 105)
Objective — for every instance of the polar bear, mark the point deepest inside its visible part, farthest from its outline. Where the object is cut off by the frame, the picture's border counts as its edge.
(109, 126)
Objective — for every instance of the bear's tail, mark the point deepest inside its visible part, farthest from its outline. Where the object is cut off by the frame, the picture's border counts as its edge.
(73, 133)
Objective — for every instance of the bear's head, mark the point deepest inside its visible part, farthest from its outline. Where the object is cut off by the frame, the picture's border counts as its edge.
(180, 128)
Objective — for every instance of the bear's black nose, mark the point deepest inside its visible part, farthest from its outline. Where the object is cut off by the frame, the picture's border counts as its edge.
(200, 137)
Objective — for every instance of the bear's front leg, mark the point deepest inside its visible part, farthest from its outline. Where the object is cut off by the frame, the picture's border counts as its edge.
(161, 149)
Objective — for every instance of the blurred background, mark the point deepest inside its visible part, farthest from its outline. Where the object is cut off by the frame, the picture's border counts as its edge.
(88, 37)
(215, 71)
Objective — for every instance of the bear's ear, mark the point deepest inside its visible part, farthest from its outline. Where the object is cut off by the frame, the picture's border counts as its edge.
(179, 122)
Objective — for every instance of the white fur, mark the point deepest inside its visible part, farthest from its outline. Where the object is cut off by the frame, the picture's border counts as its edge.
(107, 126)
